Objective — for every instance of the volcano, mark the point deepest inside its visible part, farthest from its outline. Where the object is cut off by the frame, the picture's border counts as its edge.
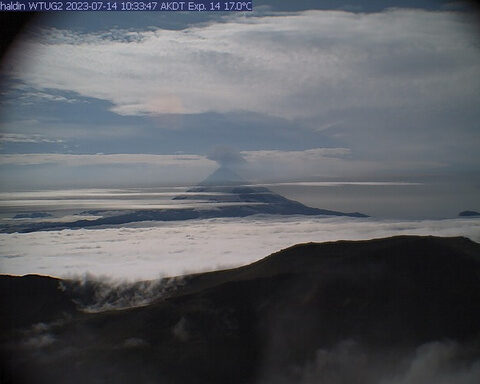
(225, 186)
(222, 194)
(223, 176)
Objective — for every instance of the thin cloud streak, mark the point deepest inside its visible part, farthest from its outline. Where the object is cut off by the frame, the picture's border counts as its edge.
(22, 138)
(97, 159)
(337, 183)
(315, 154)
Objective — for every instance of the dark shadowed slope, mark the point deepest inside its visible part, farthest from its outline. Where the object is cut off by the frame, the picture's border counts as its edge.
(310, 313)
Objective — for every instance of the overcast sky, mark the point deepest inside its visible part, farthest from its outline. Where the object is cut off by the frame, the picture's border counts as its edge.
(357, 90)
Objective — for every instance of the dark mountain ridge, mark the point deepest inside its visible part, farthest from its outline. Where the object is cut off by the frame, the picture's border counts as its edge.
(264, 322)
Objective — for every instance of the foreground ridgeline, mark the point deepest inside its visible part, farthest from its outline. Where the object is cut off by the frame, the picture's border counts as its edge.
(392, 310)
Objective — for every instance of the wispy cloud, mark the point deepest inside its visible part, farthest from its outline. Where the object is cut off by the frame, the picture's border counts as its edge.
(24, 138)
(349, 361)
(308, 154)
(99, 159)
(220, 155)
(33, 96)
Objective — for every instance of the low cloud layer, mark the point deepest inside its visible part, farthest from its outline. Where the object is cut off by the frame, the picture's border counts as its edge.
(153, 250)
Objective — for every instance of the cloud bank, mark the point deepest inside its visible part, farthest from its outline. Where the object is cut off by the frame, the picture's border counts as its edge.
(152, 250)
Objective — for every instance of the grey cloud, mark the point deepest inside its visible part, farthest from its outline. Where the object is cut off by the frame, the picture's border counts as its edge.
(435, 362)
(134, 342)
(23, 138)
(28, 96)
(288, 59)
(98, 159)
(226, 156)
(398, 88)
(180, 330)
(440, 362)
(40, 341)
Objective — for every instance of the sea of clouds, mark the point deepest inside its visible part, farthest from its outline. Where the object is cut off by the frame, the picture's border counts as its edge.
(150, 250)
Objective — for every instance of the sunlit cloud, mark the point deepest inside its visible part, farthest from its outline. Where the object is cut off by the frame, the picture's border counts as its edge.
(150, 250)
(292, 65)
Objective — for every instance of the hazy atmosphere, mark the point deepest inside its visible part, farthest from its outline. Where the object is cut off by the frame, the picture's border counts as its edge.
(288, 195)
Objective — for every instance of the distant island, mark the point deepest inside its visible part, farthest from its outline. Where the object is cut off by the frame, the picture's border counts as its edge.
(32, 215)
(469, 214)
(224, 190)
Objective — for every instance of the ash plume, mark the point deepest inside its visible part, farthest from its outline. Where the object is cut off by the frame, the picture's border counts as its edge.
(227, 157)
